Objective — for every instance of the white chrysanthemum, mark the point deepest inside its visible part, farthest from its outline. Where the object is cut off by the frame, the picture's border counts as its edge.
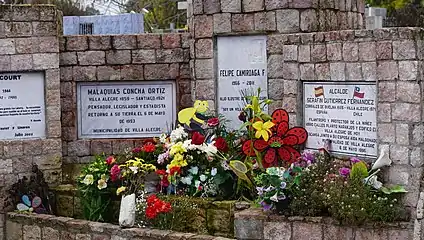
(178, 134)
(194, 170)
(202, 178)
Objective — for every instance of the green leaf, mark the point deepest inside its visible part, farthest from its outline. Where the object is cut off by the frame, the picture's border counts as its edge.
(393, 189)
(359, 171)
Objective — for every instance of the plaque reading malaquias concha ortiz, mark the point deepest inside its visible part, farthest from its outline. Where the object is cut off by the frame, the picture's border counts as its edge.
(125, 109)
(344, 113)
(22, 106)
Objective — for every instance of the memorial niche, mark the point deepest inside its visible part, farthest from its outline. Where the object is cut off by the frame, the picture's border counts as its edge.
(122, 110)
(345, 114)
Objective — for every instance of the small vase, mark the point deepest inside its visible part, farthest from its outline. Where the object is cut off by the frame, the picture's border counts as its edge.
(127, 211)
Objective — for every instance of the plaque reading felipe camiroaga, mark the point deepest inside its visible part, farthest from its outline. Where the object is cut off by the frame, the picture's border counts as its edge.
(344, 113)
(126, 109)
(22, 106)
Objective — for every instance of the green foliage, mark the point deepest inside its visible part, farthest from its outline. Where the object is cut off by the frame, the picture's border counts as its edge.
(359, 171)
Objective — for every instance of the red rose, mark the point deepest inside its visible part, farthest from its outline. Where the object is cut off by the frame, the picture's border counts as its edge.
(174, 170)
(197, 139)
(221, 144)
(110, 160)
(114, 173)
(149, 147)
(213, 122)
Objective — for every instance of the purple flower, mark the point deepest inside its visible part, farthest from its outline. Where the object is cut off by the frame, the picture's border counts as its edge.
(266, 206)
(308, 156)
(260, 190)
(354, 160)
(344, 172)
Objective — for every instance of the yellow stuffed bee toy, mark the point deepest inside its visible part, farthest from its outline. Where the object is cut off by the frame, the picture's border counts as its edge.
(193, 118)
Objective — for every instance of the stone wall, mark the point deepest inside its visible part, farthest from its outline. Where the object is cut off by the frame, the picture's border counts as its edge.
(24, 226)
(254, 225)
(102, 58)
(29, 43)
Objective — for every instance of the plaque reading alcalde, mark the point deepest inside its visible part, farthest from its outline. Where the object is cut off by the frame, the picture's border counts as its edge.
(242, 68)
(22, 106)
(344, 113)
(125, 109)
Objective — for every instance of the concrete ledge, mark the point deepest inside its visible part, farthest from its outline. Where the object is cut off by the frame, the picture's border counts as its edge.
(38, 226)
(255, 224)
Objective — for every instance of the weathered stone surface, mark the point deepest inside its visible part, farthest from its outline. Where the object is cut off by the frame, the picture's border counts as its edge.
(322, 71)
(124, 42)
(68, 58)
(132, 72)
(276, 4)
(404, 49)
(31, 232)
(18, 29)
(307, 231)
(334, 51)
(408, 70)
(204, 69)
(387, 70)
(304, 53)
(265, 21)
(222, 23)
(7, 46)
(249, 228)
(171, 40)
(383, 50)
(416, 157)
(15, 228)
(203, 25)
(79, 148)
(211, 6)
(384, 113)
(99, 42)
(21, 62)
(386, 91)
(276, 89)
(353, 71)
(148, 41)
(308, 20)
(365, 234)
(45, 60)
(50, 233)
(253, 5)
(307, 71)
(318, 53)
(231, 6)
(369, 71)
(83, 237)
(84, 73)
(399, 154)
(288, 21)
(290, 52)
(5, 63)
(76, 43)
(406, 112)
(204, 48)
(118, 57)
(243, 22)
(275, 66)
(418, 134)
(157, 72)
(408, 92)
(108, 73)
(386, 132)
(277, 230)
(170, 55)
(332, 232)
(143, 56)
(367, 51)
(350, 52)
(91, 58)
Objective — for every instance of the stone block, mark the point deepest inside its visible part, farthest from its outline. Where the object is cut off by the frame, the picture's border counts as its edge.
(290, 104)
(242, 22)
(399, 154)
(45, 60)
(84, 237)
(172, 40)
(307, 231)
(91, 58)
(54, 129)
(365, 234)
(384, 113)
(290, 87)
(18, 29)
(118, 57)
(276, 89)
(143, 56)
(408, 92)
(406, 112)
(418, 134)
(383, 50)
(231, 6)
(119, 146)
(304, 53)
(369, 71)
(203, 26)
(222, 23)
(277, 230)
(322, 71)
(249, 229)
(101, 147)
(334, 51)
(170, 55)
(204, 69)
(386, 132)
(79, 148)
(33, 147)
(6, 166)
(31, 232)
(416, 157)
(157, 72)
(67, 235)
(253, 5)
(108, 73)
(265, 21)
(404, 49)
(68, 58)
(288, 21)
(367, 51)
(387, 70)
(22, 13)
(44, 29)
(15, 228)
(132, 72)
(332, 232)
(408, 70)
(99, 42)
(76, 43)
(318, 53)
(290, 52)
(276, 4)
(5, 64)
(308, 19)
(350, 52)
(307, 71)
(149, 41)
(120, 42)
(275, 66)
(21, 62)
(211, 6)
(205, 90)
(7, 46)
(353, 71)
(386, 91)
(204, 48)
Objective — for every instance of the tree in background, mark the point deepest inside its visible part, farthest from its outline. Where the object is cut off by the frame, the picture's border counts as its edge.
(68, 7)
(402, 13)
(161, 13)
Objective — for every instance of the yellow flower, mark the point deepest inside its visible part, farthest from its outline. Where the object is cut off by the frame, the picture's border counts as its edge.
(177, 161)
(120, 190)
(263, 129)
(177, 148)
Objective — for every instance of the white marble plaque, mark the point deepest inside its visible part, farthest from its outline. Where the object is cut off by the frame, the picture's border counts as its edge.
(345, 113)
(22, 106)
(242, 66)
(125, 109)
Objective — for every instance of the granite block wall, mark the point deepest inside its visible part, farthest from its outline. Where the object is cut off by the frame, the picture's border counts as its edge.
(102, 58)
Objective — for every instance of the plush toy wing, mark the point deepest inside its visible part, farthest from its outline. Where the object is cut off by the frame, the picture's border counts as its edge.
(185, 115)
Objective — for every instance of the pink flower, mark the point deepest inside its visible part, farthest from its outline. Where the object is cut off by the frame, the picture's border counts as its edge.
(354, 160)
(114, 173)
(344, 172)
(213, 122)
(137, 150)
(110, 160)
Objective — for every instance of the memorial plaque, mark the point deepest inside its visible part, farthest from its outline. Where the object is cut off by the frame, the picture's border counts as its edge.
(126, 109)
(242, 67)
(345, 113)
(22, 108)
